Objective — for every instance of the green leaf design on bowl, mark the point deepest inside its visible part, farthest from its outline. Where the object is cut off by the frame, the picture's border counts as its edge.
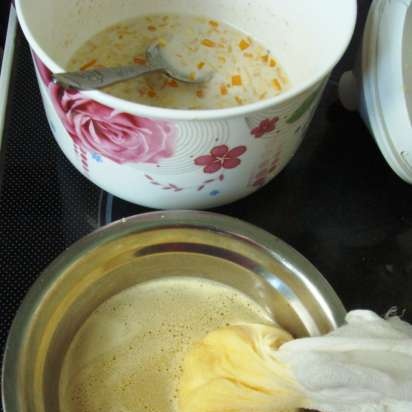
(304, 107)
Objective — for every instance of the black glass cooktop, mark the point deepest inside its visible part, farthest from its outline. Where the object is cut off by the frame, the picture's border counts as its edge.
(337, 202)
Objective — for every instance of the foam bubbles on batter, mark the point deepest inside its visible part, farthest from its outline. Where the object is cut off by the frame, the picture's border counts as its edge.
(128, 354)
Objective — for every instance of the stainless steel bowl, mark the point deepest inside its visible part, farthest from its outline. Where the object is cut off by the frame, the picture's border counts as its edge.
(145, 247)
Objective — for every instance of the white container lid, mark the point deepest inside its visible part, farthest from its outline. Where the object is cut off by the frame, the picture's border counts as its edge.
(381, 85)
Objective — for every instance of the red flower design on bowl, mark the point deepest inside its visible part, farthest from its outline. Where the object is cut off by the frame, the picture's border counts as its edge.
(265, 126)
(97, 128)
(221, 157)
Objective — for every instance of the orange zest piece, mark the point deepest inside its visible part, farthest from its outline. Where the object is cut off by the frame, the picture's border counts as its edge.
(200, 65)
(272, 63)
(223, 90)
(236, 80)
(239, 100)
(151, 93)
(151, 28)
(208, 43)
(172, 83)
(276, 85)
(139, 60)
(265, 58)
(243, 45)
(200, 93)
(214, 23)
(88, 64)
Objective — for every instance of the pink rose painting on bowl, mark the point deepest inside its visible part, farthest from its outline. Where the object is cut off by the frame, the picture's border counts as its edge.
(96, 128)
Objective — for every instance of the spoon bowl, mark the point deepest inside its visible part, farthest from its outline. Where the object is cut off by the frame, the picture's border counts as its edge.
(157, 59)
(102, 77)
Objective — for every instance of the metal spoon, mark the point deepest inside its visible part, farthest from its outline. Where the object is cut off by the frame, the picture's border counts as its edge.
(98, 78)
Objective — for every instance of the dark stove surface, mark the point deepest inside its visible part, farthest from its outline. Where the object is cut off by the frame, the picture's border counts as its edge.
(337, 202)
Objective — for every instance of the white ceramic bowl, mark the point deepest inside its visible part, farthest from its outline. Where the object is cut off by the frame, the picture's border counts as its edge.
(159, 157)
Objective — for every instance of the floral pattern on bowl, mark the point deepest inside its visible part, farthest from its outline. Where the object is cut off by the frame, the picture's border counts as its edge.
(120, 137)
(265, 126)
(221, 157)
(183, 163)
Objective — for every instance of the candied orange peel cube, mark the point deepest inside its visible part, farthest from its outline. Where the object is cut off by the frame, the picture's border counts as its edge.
(272, 63)
(277, 85)
(88, 64)
(208, 43)
(139, 60)
(223, 90)
(236, 80)
(243, 45)
(172, 83)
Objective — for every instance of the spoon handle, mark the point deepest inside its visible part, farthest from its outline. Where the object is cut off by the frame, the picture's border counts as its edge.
(98, 78)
